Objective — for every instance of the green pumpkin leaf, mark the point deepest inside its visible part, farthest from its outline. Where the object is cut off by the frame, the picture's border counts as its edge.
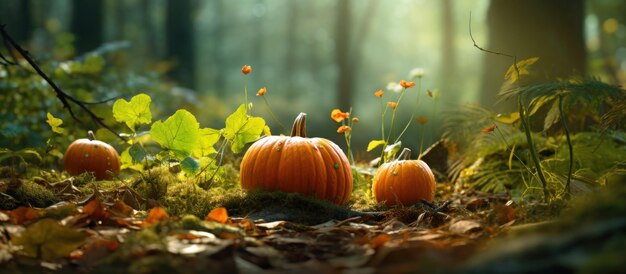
(180, 133)
(128, 162)
(133, 113)
(55, 124)
(392, 150)
(242, 129)
(48, 240)
(137, 152)
(374, 144)
(190, 166)
(208, 138)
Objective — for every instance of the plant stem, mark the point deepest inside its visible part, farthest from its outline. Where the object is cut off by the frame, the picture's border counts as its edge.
(272, 113)
(570, 147)
(533, 151)
(393, 116)
(419, 156)
(245, 92)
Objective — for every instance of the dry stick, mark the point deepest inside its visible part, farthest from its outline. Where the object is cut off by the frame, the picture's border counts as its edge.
(522, 115)
(64, 97)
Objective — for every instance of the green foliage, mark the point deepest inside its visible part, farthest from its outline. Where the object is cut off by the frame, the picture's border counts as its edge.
(55, 124)
(190, 166)
(180, 133)
(48, 240)
(135, 112)
(242, 129)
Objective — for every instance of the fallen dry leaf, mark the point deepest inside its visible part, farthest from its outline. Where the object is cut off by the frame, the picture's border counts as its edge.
(219, 215)
(464, 226)
(155, 215)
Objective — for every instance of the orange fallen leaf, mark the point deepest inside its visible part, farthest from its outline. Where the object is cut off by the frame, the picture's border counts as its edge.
(489, 129)
(218, 214)
(155, 215)
(379, 241)
(21, 215)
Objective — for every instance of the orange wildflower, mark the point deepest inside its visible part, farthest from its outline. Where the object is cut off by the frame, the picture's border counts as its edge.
(489, 129)
(261, 92)
(406, 84)
(246, 69)
(343, 129)
(392, 104)
(379, 93)
(430, 93)
(338, 115)
(355, 120)
(422, 120)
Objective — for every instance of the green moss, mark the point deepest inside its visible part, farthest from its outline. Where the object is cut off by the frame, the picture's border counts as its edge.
(272, 206)
(32, 194)
(153, 184)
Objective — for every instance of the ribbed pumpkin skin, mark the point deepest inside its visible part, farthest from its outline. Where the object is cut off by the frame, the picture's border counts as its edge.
(314, 167)
(404, 182)
(91, 155)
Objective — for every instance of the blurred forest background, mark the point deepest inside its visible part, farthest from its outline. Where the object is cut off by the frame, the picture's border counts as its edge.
(314, 56)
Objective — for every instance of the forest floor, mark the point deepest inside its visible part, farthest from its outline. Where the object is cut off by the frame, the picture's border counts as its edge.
(100, 231)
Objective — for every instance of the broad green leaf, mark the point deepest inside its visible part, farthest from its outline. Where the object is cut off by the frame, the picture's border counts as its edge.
(374, 144)
(55, 124)
(190, 166)
(128, 162)
(392, 150)
(509, 118)
(522, 68)
(552, 116)
(137, 152)
(208, 138)
(242, 129)
(48, 240)
(135, 112)
(180, 133)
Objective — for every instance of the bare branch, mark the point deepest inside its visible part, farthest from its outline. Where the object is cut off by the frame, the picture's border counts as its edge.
(63, 97)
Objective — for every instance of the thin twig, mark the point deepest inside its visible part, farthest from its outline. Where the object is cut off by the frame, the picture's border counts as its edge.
(522, 114)
(63, 97)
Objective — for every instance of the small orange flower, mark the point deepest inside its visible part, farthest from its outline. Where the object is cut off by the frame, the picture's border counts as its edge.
(489, 129)
(355, 120)
(430, 93)
(406, 84)
(261, 92)
(422, 120)
(343, 129)
(379, 93)
(338, 115)
(393, 105)
(246, 69)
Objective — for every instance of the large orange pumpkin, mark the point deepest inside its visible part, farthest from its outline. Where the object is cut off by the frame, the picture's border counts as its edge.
(91, 155)
(311, 166)
(404, 181)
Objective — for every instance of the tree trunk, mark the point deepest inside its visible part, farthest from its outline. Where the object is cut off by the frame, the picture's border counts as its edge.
(180, 42)
(550, 30)
(342, 55)
(17, 17)
(292, 44)
(218, 41)
(87, 19)
(448, 54)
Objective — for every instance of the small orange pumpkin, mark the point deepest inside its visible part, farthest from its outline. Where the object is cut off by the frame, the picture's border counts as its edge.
(404, 181)
(311, 166)
(91, 155)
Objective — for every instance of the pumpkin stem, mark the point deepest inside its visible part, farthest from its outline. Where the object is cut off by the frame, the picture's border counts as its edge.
(91, 136)
(299, 126)
(405, 154)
